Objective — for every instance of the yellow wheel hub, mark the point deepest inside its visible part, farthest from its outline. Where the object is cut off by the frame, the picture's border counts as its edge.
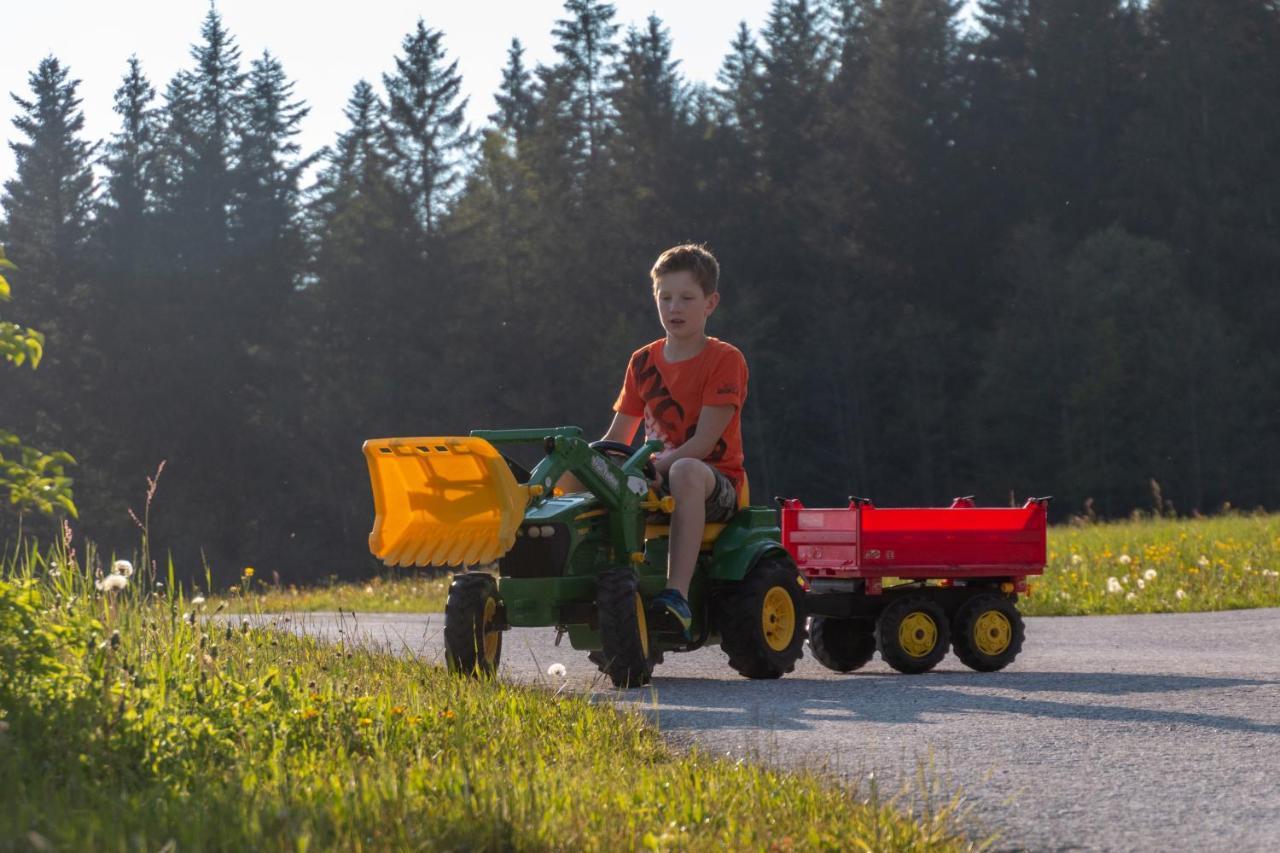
(778, 618)
(642, 626)
(992, 633)
(917, 634)
(492, 636)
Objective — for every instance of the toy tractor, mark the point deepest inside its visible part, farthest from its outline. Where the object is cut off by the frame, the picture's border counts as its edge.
(585, 563)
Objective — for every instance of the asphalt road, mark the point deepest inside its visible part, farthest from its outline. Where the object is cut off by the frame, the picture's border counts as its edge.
(1108, 732)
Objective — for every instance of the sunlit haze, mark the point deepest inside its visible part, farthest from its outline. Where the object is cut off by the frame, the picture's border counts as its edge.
(324, 47)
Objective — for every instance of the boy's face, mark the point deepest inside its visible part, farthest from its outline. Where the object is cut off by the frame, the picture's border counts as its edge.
(682, 307)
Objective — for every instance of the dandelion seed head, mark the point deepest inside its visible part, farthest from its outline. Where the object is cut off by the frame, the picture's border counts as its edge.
(1125, 559)
(1076, 559)
(1142, 584)
(197, 601)
(1180, 594)
(556, 670)
(122, 567)
(1150, 575)
(112, 582)
(1131, 596)
(1113, 586)
(1203, 562)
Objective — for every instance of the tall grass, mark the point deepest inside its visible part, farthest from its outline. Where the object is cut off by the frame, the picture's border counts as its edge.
(130, 721)
(1161, 566)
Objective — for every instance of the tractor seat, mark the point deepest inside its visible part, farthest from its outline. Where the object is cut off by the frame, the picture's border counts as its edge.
(713, 529)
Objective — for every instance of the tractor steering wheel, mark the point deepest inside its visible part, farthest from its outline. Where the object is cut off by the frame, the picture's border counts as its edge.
(624, 451)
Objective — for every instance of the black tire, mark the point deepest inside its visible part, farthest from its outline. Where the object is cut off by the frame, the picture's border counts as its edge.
(912, 634)
(761, 619)
(624, 630)
(987, 632)
(472, 638)
(842, 645)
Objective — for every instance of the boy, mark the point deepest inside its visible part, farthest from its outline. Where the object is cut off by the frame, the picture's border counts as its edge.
(688, 389)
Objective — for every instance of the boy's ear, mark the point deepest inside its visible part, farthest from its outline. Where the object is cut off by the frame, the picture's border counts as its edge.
(712, 301)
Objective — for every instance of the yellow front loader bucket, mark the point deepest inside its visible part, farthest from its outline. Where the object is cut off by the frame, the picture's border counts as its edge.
(442, 501)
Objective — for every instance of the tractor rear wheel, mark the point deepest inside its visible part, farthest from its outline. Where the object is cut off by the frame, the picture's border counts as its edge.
(912, 634)
(842, 645)
(624, 631)
(762, 619)
(472, 634)
(987, 632)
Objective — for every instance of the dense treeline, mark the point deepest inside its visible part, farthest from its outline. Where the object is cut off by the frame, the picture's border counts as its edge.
(1037, 255)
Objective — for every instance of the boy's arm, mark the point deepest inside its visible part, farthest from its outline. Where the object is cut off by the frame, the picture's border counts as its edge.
(623, 428)
(712, 422)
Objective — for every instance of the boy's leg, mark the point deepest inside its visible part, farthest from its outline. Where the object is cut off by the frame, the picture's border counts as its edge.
(691, 482)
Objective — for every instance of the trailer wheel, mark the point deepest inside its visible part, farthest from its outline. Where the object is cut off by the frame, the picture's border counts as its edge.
(624, 631)
(842, 645)
(762, 619)
(987, 632)
(912, 634)
(472, 637)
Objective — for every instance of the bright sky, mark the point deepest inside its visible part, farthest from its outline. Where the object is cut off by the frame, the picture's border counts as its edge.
(325, 47)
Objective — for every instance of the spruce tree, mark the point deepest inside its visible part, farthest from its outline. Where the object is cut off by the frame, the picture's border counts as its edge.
(424, 124)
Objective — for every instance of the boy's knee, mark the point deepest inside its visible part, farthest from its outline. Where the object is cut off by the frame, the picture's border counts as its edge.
(691, 474)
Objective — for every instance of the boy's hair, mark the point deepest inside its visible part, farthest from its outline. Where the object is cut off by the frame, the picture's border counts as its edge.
(693, 257)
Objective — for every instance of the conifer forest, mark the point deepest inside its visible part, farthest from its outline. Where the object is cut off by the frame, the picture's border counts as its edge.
(1032, 251)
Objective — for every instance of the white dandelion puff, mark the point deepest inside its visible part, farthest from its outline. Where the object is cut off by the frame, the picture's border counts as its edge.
(556, 670)
(1270, 573)
(122, 567)
(1150, 575)
(1114, 587)
(1142, 584)
(197, 601)
(112, 582)
(1131, 596)
(1076, 559)
(1125, 559)
(1180, 594)
(1203, 562)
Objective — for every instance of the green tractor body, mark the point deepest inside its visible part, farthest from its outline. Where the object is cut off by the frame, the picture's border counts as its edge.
(586, 563)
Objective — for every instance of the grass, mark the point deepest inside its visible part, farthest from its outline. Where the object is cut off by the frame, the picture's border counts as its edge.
(1160, 566)
(128, 721)
(415, 593)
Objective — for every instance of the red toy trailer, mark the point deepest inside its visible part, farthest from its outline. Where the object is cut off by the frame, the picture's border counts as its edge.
(911, 581)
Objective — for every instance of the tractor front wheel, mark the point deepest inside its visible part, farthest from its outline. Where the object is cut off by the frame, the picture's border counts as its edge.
(912, 634)
(987, 633)
(624, 631)
(762, 619)
(472, 635)
(842, 645)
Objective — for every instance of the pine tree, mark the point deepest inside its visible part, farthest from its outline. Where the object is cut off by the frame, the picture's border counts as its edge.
(515, 97)
(586, 43)
(424, 124)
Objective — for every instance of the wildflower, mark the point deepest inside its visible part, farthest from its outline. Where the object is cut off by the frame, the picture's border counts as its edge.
(1131, 596)
(197, 601)
(310, 714)
(122, 567)
(1203, 562)
(112, 582)
(248, 571)
(1142, 584)
(365, 721)
(1180, 594)
(1076, 559)
(1149, 575)
(397, 710)
(1113, 586)
(556, 670)
(368, 590)
(1125, 559)
(1270, 573)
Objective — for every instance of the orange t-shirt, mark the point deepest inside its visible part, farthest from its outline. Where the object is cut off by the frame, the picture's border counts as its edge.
(670, 396)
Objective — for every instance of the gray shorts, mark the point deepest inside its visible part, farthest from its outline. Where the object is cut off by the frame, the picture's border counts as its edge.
(722, 503)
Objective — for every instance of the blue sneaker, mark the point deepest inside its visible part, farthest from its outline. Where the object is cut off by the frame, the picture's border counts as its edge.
(671, 603)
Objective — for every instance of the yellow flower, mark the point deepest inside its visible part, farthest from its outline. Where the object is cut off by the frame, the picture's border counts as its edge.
(397, 710)
(365, 721)
(310, 714)
(248, 571)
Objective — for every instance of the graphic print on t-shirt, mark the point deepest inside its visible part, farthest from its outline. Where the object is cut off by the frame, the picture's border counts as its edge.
(662, 414)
